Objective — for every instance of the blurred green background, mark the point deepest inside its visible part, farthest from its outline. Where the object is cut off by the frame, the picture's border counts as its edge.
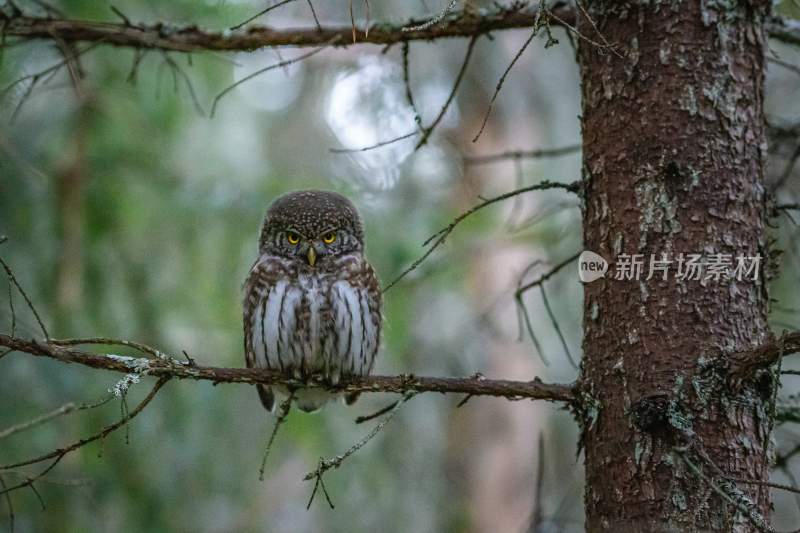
(131, 214)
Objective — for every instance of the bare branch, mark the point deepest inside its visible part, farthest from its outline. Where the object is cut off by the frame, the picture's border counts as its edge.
(280, 64)
(745, 363)
(170, 367)
(13, 279)
(544, 277)
(502, 80)
(438, 238)
(59, 454)
(426, 132)
(784, 29)
(522, 154)
(178, 71)
(373, 146)
(523, 310)
(61, 411)
(728, 491)
(407, 83)
(262, 12)
(141, 347)
(556, 326)
(435, 20)
(784, 64)
(184, 38)
(769, 484)
(9, 504)
(335, 462)
(283, 412)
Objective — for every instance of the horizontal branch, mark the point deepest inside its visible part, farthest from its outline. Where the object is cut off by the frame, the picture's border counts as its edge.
(745, 363)
(784, 29)
(188, 38)
(522, 154)
(166, 366)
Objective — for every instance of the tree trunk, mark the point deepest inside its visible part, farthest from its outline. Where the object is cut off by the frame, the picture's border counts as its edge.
(674, 149)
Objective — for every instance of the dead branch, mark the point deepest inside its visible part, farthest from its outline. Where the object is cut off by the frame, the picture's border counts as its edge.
(283, 412)
(784, 29)
(335, 462)
(522, 154)
(726, 489)
(60, 453)
(171, 367)
(249, 77)
(745, 363)
(262, 12)
(522, 310)
(46, 417)
(438, 238)
(426, 132)
(187, 38)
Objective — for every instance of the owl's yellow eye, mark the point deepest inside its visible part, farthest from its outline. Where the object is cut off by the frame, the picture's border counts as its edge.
(329, 238)
(292, 237)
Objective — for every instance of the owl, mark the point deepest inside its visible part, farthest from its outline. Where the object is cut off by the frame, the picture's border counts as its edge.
(312, 304)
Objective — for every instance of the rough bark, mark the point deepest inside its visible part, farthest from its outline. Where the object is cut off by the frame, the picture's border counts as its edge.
(673, 156)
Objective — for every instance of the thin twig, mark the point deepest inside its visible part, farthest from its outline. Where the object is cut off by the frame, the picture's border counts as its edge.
(523, 310)
(283, 412)
(9, 504)
(121, 15)
(373, 146)
(502, 80)
(376, 414)
(314, 14)
(438, 238)
(177, 70)
(426, 132)
(46, 417)
(335, 462)
(556, 326)
(42, 74)
(59, 454)
(785, 64)
(521, 290)
(522, 154)
(139, 346)
(262, 12)
(755, 518)
(762, 483)
(266, 69)
(435, 20)
(407, 83)
(13, 280)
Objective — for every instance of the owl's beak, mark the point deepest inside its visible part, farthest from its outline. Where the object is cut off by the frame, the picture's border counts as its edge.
(312, 256)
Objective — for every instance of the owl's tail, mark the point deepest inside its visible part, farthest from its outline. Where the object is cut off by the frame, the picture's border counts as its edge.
(267, 397)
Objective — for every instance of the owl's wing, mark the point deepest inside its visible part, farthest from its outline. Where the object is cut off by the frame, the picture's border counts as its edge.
(256, 287)
(365, 312)
(374, 299)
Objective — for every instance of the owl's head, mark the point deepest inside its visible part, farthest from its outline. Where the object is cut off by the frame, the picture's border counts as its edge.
(311, 227)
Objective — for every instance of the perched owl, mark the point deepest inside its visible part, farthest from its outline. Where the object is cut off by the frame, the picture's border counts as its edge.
(312, 304)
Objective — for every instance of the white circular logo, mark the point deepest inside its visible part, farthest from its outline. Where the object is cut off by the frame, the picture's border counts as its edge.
(591, 266)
